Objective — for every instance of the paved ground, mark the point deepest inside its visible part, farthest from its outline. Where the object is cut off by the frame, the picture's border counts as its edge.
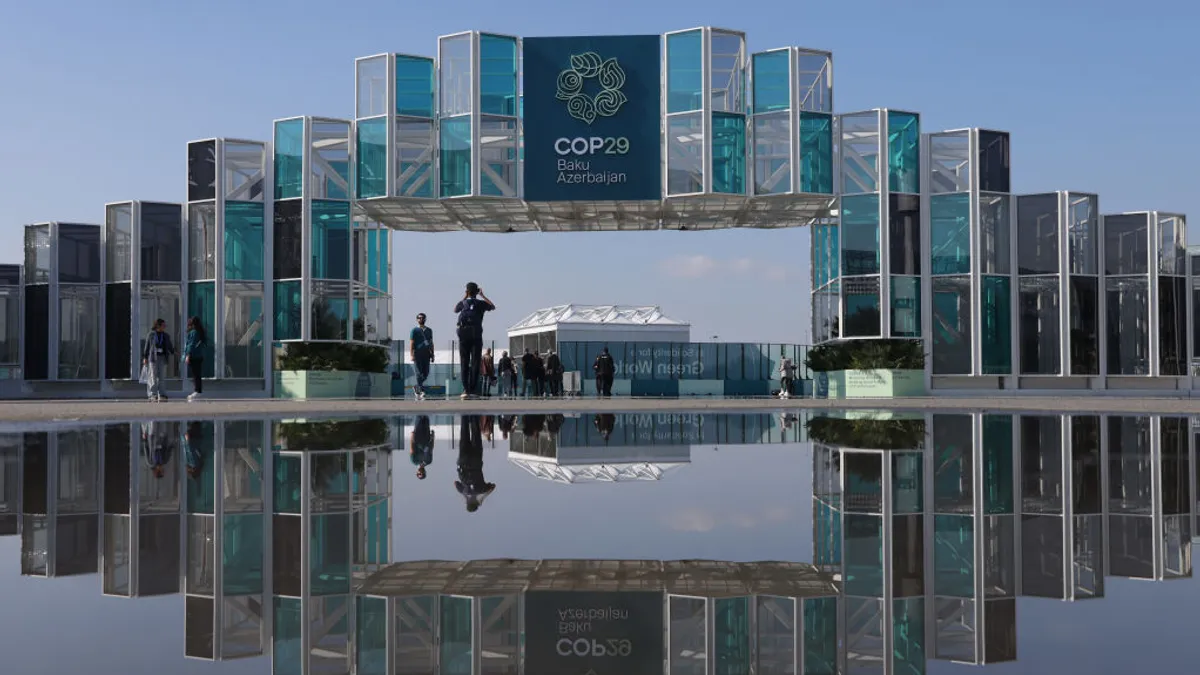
(82, 410)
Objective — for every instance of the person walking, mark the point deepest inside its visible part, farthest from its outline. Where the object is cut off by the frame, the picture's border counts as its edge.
(506, 370)
(554, 373)
(155, 353)
(194, 345)
(420, 350)
(470, 311)
(604, 368)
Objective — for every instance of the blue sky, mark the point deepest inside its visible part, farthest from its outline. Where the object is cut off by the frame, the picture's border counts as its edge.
(100, 100)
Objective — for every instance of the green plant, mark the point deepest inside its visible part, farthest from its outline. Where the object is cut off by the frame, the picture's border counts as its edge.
(332, 434)
(890, 434)
(867, 355)
(332, 356)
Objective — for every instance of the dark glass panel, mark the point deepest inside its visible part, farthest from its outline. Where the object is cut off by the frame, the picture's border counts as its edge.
(1037, 234)
(951, 325)
(162, 242)
(288, 545)
(994, 171)
(1085, 465)
(79, 256)
(10, 275)
(1041, 464)
(288, 260)
(1040, 333)
(37, 332)
(1127, 243)
(116, 478)
(1175, 465)
(1172, 325)
(904, 232)
(118, 342)
(202, 171)
(1084, 317)
(908, 555)
(1042, 556)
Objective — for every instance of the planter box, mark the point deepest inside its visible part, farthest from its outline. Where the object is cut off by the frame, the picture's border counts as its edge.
(870, 384)
(304, 384)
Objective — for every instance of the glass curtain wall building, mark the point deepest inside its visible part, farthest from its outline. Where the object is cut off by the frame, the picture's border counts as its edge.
(63, 303)
(143, 282)
(11, 302)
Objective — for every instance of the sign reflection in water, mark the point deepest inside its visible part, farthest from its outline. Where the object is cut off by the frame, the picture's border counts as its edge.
(926, 532)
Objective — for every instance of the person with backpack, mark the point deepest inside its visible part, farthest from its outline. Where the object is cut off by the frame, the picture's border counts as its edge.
(193, 355)
(155, 353)
(604, 368)
(470, 311)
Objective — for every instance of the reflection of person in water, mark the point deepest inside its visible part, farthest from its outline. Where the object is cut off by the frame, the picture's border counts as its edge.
(420, 444)
(487, 425)
(471, 484)
(506, 423)
(604, 424)
(192, 452)
(531, 425)
(554, 423)
(156, 447)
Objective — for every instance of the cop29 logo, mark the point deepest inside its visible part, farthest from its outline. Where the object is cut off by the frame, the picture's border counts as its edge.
(607, 74)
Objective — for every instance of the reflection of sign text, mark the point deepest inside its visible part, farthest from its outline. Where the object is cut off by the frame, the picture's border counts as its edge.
(607, 633)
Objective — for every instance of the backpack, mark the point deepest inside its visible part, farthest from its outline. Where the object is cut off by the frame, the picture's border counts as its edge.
(467, 316)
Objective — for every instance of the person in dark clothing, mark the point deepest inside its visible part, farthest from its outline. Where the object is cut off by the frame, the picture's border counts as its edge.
(605, 368)
(539, 375)
(470, 311)
(488, 372)
(193, 453)
(471, 484)
(527, 372)
(554, 373)
(420, 445)
(156, 446)
(420, 348)
(194, 346)
(506, 371)
(506, 423)
(532, 425)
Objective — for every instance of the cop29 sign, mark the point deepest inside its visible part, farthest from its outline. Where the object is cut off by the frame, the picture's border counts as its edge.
(593, 633)
(592, 116)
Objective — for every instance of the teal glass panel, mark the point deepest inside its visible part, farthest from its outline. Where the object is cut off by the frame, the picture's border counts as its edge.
(906, 307)
(820, 255)
(201, 483)
(908, 636)
(685, 71)
(996, 329)
(202, 302)
(329, 554)
(371, 636)
(816, 153)
(729, 153)
(455, 620)
(863, 555)
(414, 86)
(370, 178)
(904, 152)
(385, 266)
(860, 234)
(820, 636)
(244, 240)
(289, 159)
(950, 233)
(497, 75)
(289, 310)
(908, 485)
(861, 307)
(378, 541)
(330, 239)
(835, 252)
(373, 258)
(731, 626)
(243, 554)
(828, 534)
(953, 556)
(455, 155)
(772, 80)
(997, 464)
(287, 647)
(287, 487)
